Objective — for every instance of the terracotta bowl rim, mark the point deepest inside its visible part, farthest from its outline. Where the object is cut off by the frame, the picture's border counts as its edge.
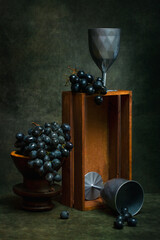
(14, 154)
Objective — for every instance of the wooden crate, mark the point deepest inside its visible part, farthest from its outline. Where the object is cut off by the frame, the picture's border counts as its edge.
(102, 138)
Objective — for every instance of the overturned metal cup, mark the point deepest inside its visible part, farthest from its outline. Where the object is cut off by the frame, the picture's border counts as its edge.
(117, 193)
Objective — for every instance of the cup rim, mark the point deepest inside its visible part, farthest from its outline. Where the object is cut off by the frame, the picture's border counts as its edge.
(126, 182)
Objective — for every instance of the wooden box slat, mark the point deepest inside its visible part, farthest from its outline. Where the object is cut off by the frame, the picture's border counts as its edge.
(68, 165)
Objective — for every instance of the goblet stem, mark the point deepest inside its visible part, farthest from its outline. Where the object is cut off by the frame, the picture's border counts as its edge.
(104, 76)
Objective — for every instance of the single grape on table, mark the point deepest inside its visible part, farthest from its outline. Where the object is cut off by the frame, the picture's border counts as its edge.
(64, 215)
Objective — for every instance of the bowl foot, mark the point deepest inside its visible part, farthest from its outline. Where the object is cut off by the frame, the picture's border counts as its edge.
(36, 201)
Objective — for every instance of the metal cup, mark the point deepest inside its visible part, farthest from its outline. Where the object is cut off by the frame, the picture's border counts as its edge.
(119, 193)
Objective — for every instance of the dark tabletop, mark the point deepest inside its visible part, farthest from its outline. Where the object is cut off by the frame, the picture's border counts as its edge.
(16, 223)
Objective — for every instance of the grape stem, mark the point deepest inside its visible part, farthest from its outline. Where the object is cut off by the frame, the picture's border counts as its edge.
(74, 70)
(36, 124)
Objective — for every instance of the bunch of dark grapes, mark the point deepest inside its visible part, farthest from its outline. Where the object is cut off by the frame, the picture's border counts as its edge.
(46, 146)
(82, 82)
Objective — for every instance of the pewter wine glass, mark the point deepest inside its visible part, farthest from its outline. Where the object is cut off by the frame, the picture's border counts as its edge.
(104, 47)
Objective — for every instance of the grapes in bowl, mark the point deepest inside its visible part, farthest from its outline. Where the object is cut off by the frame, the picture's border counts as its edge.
(41, 152)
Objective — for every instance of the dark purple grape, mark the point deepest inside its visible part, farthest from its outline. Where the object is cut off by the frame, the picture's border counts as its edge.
(57, 178)
(57, 154)
(56, 163)
(74, 79)
(69, 146)
(126, 216)
(31, 139)
(46, 125)
(66, 127)
(49, 177)
(55, 142)
(38, 162)
(19, 144)
(33, 154)
(54, 127)
(30, 131)
(120, 218)
(90, 90)
(65, 152)
(67, 136)
(98, 100)
(41, 137)
(53, 135)
(41, 153)
(60, 132)
(46, 158)
(83, 84)
(81, 74)
(75, 87)
(118, 224)
(61, 139)
(99, 79)
(97, 85)
(41, 170)
(47, 147)
(124, 210)
(41, 145)
(31, 164)
(32, 146)
(55, 172)
(132, 222)
(35, 132)
(89, 78)
(47, 140)
(59, 147)
(103, 90)
(47, 166)
(64, 215)
(25, 137)
(20, 136)
(47, 130)
(53, 123)
(26, 150)
(41, 129)
(52, 155)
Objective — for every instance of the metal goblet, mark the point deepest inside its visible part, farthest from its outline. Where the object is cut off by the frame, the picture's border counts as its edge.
(104, 47)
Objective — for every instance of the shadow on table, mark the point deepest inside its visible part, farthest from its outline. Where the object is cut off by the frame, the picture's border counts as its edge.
(10, 202)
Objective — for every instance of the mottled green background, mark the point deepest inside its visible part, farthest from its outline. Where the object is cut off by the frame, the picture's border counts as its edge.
(39, 39)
